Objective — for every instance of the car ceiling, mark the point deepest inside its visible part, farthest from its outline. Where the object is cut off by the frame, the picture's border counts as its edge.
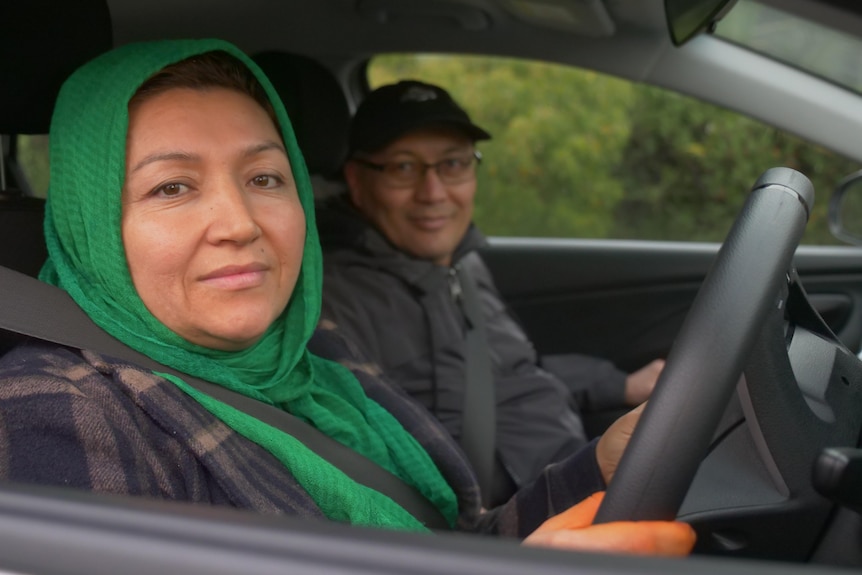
(627, 38)
(621, 37)
(591, 33)
(356, 26)
(339, 33)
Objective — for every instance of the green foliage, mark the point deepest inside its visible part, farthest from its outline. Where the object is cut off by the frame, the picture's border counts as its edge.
(33, 159)
(688, 167)
(580, 154)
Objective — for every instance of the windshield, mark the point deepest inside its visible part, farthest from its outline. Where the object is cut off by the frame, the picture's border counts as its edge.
(803, 43)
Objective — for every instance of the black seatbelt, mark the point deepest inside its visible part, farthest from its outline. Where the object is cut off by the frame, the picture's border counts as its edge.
(479, 420)
(37, 310)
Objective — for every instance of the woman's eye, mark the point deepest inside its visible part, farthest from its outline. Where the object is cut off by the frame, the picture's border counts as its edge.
(170, 190)
(266, 181)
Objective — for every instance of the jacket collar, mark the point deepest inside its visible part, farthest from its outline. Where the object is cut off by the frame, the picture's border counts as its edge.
(347, 236)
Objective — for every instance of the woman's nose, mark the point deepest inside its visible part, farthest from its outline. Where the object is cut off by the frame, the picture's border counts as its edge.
(232, 214)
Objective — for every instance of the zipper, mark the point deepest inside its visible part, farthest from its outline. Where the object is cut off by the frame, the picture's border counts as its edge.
(454, 286)
(457, 293)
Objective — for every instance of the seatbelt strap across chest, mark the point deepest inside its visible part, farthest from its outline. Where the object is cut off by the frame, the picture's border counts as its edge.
(479, 420)
(34, 309)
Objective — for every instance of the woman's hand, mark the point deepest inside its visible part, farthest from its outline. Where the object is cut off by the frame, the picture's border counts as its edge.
(614, 441)
(573, 530)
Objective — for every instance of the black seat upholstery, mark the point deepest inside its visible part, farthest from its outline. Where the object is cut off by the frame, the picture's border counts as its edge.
(317, 108)
(31, 81)
(33, 76)
(22, 243)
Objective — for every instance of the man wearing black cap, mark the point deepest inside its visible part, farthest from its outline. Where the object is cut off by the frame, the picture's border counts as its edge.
(400, 250)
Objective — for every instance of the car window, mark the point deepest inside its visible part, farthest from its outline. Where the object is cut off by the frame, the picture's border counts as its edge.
(822, 50)
(580, 154)
(32, 158)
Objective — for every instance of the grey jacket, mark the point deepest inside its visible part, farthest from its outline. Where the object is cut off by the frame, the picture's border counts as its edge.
(401, 313)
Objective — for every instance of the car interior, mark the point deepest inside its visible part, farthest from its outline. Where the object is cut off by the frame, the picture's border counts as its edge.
(759, 409)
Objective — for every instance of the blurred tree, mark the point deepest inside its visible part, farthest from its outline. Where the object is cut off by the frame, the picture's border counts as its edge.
(688, 167)
(33, 158)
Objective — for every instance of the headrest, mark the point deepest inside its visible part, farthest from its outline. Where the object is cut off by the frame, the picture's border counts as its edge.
(41, 43)
(316, 105)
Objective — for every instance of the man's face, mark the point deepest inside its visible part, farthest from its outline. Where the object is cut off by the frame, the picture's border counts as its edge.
(421, 215)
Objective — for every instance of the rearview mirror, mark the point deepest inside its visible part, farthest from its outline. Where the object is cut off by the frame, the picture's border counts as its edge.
(845, 210)
(688, 18)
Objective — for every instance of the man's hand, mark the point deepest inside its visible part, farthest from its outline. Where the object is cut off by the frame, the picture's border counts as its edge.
(613, 442)
(573, 529)
(639, 385)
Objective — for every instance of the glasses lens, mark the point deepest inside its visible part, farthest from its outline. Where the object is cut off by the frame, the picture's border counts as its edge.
(456, 170)
(402, 173)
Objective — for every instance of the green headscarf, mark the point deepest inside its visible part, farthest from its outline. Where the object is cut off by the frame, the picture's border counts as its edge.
(87, 259)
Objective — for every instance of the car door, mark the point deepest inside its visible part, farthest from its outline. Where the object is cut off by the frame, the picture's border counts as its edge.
(625, 300)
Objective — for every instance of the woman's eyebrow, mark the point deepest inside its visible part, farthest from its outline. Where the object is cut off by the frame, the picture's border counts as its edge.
(187, 157)
(264, 147)
(164, 157)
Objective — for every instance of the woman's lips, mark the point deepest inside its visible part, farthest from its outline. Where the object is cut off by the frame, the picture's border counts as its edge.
(236, 277)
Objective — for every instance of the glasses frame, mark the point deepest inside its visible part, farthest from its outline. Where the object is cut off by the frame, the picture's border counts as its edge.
(477, 156)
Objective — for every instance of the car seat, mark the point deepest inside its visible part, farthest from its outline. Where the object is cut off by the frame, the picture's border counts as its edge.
(318, 110)
(22, 243)
(32, 72)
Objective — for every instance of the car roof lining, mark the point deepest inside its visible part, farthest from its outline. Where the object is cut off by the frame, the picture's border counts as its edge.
(336, 33)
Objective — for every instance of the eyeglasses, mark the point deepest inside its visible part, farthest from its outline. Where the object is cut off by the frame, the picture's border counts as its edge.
(404, 173)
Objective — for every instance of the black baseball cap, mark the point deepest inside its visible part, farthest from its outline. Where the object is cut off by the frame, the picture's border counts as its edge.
(395, 109)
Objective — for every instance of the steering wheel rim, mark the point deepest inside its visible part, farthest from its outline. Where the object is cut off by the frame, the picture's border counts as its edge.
(709, 353)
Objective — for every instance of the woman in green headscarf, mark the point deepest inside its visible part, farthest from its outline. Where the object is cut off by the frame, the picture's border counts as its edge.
(180, 220)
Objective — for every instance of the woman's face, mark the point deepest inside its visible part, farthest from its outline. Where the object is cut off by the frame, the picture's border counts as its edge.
(212, 224)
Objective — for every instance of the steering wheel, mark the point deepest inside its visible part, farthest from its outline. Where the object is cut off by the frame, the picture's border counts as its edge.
(709, 353)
